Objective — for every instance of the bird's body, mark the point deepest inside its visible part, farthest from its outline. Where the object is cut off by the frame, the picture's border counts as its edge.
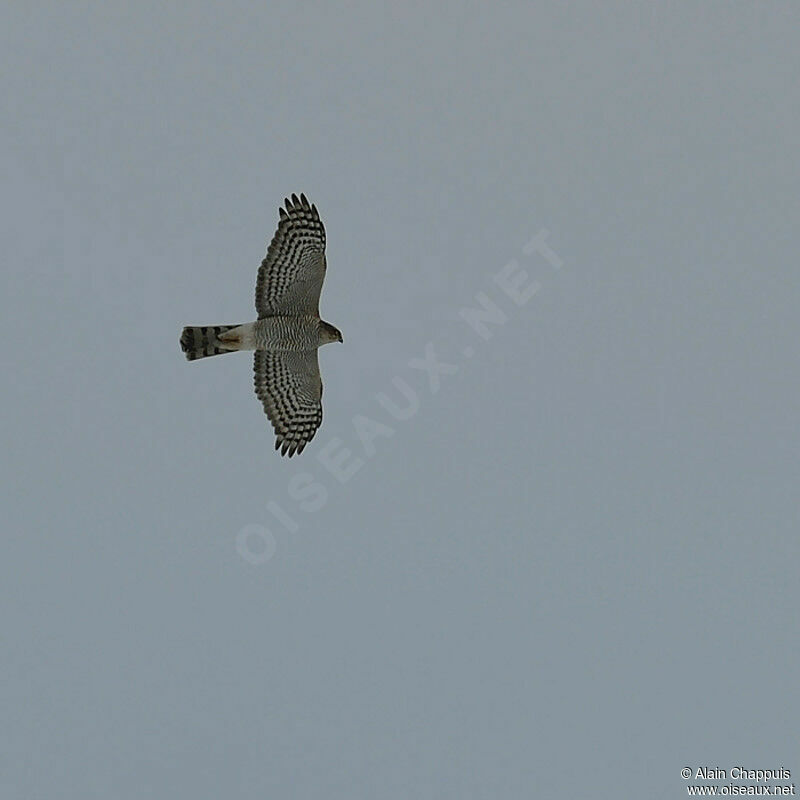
(288, 331)
(280, 334)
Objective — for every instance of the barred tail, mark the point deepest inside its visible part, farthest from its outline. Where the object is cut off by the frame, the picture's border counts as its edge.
(201, 342)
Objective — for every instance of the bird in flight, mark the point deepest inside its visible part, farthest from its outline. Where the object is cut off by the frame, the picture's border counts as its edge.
(288, 331)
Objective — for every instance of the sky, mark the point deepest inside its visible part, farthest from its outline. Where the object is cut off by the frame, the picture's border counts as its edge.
(546, 540)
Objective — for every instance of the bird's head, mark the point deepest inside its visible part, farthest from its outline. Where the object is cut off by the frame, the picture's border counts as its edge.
(329, 333)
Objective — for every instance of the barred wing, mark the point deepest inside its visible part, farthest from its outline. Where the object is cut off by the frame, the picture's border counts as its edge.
(290, 277)
(290, 387)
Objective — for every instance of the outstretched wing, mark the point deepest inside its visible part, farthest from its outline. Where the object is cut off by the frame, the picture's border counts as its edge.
(290, 387)
(290, 277)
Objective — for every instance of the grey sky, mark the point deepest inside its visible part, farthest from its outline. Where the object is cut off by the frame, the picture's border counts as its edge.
(574, 570)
